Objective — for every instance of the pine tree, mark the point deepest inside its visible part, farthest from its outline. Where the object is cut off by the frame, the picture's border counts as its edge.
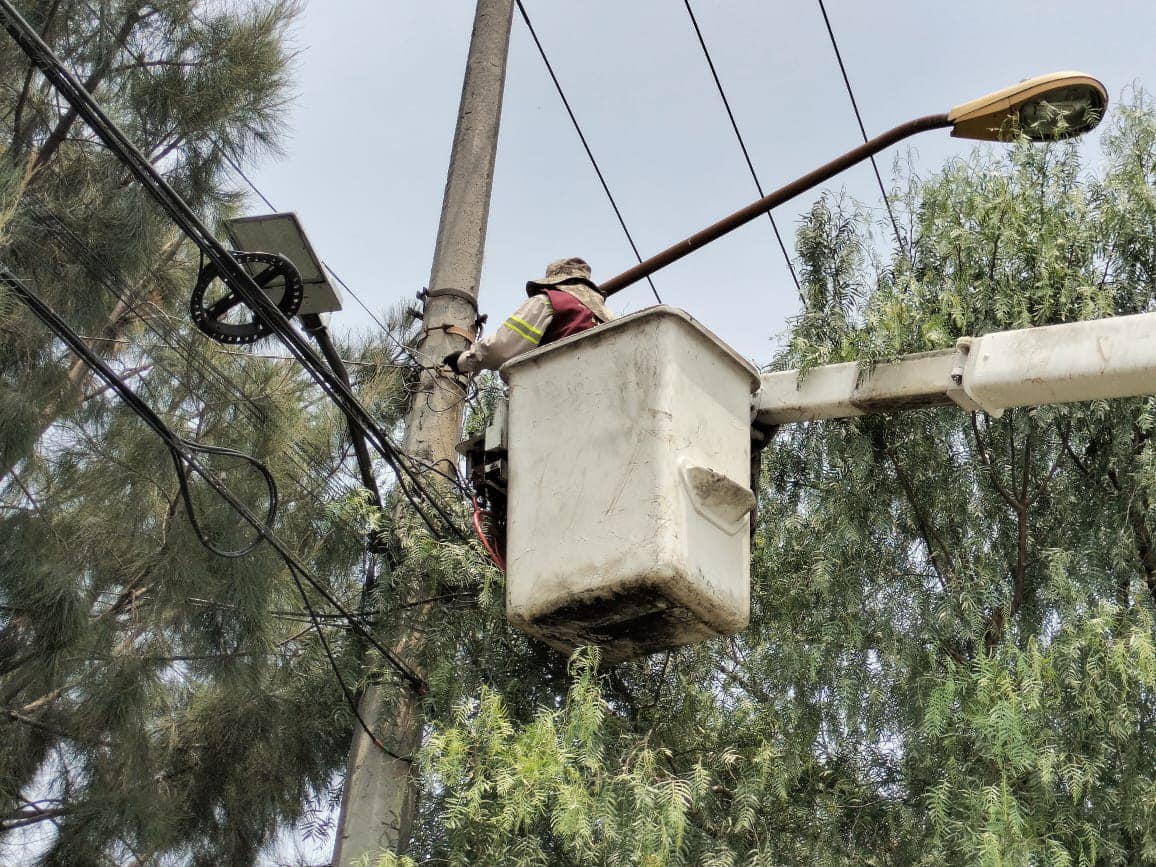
(160, 704)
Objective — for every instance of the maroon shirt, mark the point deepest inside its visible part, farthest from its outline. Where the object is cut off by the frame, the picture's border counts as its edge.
(571, 316)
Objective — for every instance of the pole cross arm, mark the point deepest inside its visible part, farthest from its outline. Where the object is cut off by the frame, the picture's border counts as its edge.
(1096, 359)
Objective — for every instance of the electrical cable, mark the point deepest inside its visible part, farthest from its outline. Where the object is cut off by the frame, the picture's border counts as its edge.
(479, 513)
(231, 271)
(317, 328)
(313, 464)
(585, 144)
(376, 319)
(350, 698)
(179, 456)
(862, 128)
(236, 167)
(184, 454)
(124, 342)
(179, 448)
(117, 286)
(742, 144)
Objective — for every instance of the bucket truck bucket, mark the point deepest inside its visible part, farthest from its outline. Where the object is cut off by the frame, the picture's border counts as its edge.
(629, 487)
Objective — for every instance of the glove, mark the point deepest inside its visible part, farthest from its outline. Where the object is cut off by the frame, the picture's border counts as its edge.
(451, 361)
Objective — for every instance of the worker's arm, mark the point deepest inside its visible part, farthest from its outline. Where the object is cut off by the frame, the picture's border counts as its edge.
(521, 332)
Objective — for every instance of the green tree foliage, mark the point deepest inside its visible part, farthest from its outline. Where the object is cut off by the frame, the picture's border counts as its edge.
(951, 658)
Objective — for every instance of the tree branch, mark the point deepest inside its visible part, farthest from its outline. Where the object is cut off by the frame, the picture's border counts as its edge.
(940, 562)
(1137, 519)
(96, 77)
(985, 459)
(24, 818)
(18, 135)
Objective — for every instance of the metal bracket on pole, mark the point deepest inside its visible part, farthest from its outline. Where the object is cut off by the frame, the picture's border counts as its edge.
(448, 292)
(452, 329)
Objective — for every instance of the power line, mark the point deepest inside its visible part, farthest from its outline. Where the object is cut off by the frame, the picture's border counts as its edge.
(170, 334)
(124, 342)
(235, 166)
(377, 321)
(183, 453)
(310, 614)
(358, 443)
(742, 144)
(862, 129)
(346, 692)
(585, 144)
(312, 463)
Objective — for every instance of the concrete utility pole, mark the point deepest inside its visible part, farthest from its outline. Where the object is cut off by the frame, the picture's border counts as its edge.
(377, 805)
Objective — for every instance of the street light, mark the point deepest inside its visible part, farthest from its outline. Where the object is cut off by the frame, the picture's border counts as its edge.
(1050, 107)
(1045, 108)
(276, 253)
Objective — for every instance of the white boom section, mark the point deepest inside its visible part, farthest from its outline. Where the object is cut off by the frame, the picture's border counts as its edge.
(1092, 360)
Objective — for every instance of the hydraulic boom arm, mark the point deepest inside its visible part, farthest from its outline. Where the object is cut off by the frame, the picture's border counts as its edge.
(1091, 360)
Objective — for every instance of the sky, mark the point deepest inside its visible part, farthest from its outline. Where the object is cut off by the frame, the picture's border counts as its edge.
(378, 86)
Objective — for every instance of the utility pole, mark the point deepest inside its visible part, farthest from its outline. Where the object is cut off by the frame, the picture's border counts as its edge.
(377, 804)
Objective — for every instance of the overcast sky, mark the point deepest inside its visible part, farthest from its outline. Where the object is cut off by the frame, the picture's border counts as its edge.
(379, 83)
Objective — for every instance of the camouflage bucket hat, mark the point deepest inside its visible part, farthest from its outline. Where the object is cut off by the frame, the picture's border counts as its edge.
(572, 270)
(572, 276)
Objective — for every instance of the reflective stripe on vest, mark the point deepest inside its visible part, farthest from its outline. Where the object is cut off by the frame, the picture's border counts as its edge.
(571, 316)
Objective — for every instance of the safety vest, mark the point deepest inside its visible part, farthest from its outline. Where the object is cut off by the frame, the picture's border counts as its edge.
(571, 316)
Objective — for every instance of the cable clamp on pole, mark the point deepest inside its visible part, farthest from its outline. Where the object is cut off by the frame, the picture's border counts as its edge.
(448, 292)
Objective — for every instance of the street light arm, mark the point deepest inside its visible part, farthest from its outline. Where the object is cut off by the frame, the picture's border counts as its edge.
(773, 200)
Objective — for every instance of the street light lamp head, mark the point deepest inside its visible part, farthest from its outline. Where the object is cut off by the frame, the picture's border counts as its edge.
(1046, 108)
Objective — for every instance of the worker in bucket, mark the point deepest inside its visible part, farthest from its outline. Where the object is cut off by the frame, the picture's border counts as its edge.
(564, 302)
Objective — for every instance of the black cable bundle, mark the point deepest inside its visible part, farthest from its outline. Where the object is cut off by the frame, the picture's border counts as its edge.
(231, 271)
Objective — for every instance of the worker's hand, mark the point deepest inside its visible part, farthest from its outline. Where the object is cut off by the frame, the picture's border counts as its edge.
(451, 361)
